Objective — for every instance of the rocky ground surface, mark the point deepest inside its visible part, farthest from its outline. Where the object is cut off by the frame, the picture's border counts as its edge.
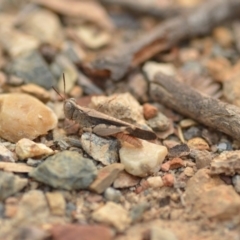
(61, 181)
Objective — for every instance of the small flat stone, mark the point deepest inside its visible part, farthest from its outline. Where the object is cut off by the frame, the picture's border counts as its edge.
(26, 148)
(186, 123)
(10, 184)
(87, 232)
(15, 167)
(151, 68)
(100, 149)
(200, 183)
(33, 208)
(202, 158)
(176, 163)
(32, 24)
(155, 182)
(227, 162)
(125, 180)
(198, 143)
(112, 194)
(138, 210)
(113, 214)
(16, 43)
(159, 123)
(149, 111)
(36, 91)
(106, 177)
(32, 68)
(219, 203)
(93, 38)
(14, 125)
(165, 167)
(236, 183)
(11, 207)
(179, 150)
(168, 180)
(56, 203)
(161, 233)
(6, 155)
(66, 170)
(142, 161)
(188, 171)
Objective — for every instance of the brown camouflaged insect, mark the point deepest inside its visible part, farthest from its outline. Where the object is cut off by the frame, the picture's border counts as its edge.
(104, 125)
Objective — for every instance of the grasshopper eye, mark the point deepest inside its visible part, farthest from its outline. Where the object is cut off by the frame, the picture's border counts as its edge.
(68, 109)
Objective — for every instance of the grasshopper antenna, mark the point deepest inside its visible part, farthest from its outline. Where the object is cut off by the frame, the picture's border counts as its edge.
(64, 85)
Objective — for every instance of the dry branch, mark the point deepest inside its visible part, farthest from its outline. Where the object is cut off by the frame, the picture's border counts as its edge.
(204, 109)
(116, 63)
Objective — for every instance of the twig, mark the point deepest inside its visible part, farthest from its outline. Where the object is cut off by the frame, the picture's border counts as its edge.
(204, 109)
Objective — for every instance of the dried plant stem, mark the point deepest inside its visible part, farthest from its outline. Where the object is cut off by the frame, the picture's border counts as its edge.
(189, 102)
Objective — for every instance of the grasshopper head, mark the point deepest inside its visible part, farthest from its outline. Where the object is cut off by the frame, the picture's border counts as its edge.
(69, 107)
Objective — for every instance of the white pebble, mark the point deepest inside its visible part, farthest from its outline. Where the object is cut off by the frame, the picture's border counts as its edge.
(142, 161)
(26, 148)
(155, 182)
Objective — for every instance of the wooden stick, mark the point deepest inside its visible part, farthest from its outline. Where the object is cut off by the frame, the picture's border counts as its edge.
(189, 102)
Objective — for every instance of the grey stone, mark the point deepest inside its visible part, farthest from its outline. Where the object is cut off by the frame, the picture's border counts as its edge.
(66, 170)
(159, 123)
(100, 149)
(10, 184)
(112, 194)
(32, 68)
(137, 211)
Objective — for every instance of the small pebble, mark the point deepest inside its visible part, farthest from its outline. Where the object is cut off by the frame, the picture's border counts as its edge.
(56, 203)
(224, 146)
(157, 233)
(27, 66)
(165, 167)
(36, 91)
(112, 214)
(176, 163)
(66, 170)
(77, 231)
(10, 184)
(155, 182)
(100, 149)
(151, 68)
(138, 210)
(26, 148)
(188, 171)
(106, 177)
(23, 116)
(142, 161)
(112, 194)
(198, 143)
(11, 207)
(149, 111)
(6, 155)
(159, 123)
(125, 180)
(236, 183)
(168, 180)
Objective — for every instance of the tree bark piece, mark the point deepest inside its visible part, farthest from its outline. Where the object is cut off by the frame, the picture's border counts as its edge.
(204, 109)
(200, 21)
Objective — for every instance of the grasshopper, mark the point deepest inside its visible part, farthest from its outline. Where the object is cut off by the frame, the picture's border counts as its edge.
(104, 125)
